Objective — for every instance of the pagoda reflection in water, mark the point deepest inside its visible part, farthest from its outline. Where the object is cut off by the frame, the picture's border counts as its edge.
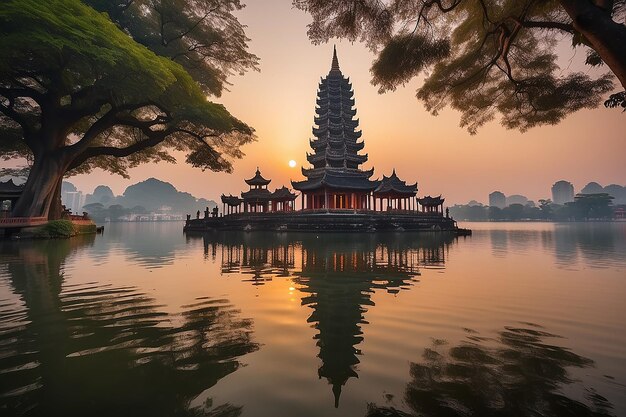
(337, 274)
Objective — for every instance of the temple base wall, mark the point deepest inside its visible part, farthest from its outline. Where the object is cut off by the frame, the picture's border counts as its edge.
(323, 221)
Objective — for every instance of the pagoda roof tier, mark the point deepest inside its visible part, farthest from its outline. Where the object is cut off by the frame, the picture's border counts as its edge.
(335, 93)
(283, 193)
(231, 200)
(343, 121)
(320, 144)
(431, 201)
(333, 79)
(333, 82)
(341, 131)
(335, 102)
(343, 112)
(336, 181)
(319, 172)
(333, 156)
(350, 134)
(257, 194)
(394, 185)
(257, 179)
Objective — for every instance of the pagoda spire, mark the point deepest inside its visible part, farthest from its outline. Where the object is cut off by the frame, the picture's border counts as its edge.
(334, 67)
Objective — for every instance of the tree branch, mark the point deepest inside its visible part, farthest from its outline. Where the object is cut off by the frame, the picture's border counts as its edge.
(566, 27)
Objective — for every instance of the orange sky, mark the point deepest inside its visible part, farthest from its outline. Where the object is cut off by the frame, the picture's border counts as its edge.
(443, 158)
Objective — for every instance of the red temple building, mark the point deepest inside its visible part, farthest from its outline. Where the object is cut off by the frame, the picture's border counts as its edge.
(337, 193)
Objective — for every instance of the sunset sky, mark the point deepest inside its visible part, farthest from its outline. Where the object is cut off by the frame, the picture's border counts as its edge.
(443, 158)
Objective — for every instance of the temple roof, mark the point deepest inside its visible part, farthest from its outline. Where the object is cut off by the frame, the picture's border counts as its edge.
(257, 179)
(431, 201)
(258, 194)
(231, 200)
(313, 173)
(10, 186)
(335, 180)
(393, 184)
(283, 193)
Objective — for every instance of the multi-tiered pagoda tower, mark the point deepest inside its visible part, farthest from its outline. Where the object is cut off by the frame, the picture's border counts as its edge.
(335, 180)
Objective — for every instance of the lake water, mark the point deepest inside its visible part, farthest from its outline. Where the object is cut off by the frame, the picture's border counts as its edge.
(516, 320)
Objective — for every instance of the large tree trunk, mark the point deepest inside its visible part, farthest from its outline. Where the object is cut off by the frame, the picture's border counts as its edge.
(42, 189)
(607, 37)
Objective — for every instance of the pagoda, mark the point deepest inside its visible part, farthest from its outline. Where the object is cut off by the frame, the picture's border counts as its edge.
(335, 179)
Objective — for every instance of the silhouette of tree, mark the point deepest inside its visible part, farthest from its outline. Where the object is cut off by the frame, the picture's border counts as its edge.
(100, 350)
(484, 57)
(522, 375)
(77, 93)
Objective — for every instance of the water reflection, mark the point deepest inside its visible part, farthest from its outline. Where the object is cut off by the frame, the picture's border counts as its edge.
(598, 245)
(92, 349)
(128, 239)
(520, 373)
(337, 273)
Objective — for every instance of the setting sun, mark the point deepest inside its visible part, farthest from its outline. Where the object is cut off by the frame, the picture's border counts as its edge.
(292, 163)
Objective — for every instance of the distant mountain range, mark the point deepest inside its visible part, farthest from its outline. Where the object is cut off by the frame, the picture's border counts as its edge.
(153, 195)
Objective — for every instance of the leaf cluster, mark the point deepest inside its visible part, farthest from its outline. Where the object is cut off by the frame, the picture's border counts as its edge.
(205, 37)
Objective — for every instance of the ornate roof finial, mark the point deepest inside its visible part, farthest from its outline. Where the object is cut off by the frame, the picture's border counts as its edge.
(335, 64)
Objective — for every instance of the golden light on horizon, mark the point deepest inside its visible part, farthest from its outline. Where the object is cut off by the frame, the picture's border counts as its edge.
(292, 163)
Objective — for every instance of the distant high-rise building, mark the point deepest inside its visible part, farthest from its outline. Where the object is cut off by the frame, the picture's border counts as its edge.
(562, 192)
(497, 199)
(516, 199)
(73, 201)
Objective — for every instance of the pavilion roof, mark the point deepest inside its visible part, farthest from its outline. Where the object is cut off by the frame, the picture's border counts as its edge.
(231, 200)
(10, 186)
(431, 201)
(258, 194)
(258, 179)
(393, 184)
(283, 193)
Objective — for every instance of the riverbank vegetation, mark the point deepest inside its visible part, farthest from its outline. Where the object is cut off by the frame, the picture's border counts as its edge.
(584, 207)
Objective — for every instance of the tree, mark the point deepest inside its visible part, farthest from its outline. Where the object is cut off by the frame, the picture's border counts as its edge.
(76, 93)
(591, 206)
(485, 57)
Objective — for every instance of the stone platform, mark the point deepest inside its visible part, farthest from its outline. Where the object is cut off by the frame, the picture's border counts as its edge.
(328, 221)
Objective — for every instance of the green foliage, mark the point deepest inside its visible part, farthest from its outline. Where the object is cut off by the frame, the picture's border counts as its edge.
(55, 229)
(404, 56)
(72, 81)
(486, 59)
(591, 206)
(203, 36)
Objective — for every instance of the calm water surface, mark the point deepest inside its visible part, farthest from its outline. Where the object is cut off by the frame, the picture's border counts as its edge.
(517, 320)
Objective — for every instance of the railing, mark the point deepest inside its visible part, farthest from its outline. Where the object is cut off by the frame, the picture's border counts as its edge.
(22, 221)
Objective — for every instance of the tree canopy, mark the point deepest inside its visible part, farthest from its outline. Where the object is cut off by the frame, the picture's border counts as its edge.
(203, 36)
(77, 92)
(485, 57)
